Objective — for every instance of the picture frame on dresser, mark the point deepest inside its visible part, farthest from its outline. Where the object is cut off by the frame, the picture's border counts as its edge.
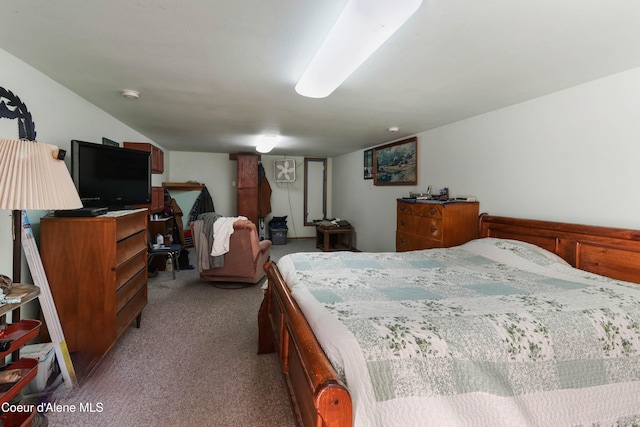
(396, 163)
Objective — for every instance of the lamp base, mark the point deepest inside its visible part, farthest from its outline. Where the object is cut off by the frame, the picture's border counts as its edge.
(17, 245)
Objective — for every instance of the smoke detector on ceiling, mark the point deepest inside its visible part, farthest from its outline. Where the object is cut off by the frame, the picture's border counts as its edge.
(131, 94)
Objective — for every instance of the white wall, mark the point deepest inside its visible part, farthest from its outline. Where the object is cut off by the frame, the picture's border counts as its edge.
(219, 174)
(60, 116)
(570, 156)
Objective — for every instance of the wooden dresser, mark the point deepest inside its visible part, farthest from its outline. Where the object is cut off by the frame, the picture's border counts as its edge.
(423, 225)
(97, 271)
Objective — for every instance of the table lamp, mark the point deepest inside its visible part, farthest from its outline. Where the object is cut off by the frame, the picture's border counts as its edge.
(33, 176)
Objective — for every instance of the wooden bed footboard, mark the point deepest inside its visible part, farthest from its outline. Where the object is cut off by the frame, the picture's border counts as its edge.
(318, 396)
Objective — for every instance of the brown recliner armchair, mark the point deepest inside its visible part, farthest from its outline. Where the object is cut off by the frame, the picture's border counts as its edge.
(243, 263)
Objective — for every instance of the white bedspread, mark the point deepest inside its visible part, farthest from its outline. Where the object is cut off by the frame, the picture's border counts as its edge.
(491, 333)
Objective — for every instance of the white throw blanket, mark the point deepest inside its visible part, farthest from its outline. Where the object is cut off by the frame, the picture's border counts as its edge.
(222, 231)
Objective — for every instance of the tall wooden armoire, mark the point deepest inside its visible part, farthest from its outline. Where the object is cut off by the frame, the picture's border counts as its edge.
(248, 186)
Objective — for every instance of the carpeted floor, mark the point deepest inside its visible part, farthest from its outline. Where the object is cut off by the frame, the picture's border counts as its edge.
(192, 362)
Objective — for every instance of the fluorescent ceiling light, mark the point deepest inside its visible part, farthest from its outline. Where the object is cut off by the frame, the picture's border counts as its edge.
(266, 143)
(363, 27)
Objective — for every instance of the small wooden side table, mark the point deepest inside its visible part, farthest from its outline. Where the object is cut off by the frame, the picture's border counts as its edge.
(323, 239)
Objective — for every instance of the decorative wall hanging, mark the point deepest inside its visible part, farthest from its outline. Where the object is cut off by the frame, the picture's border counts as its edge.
(12, 108)
(285, 170)
(396, 163)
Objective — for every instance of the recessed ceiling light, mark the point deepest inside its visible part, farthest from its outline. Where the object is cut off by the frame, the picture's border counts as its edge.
(131, 94)
(393, 129)
(266, 143)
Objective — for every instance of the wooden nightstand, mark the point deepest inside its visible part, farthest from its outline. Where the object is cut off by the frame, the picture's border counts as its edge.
(332, 239)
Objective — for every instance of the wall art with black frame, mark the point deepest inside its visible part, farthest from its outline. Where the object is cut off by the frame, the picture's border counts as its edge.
(368, 164)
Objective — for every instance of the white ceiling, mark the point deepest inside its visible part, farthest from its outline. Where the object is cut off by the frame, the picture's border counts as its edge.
(214, 74)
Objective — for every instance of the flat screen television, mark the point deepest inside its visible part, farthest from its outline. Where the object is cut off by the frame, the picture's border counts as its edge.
(111, 177)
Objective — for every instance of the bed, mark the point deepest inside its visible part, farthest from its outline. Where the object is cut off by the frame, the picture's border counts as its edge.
(510, 335)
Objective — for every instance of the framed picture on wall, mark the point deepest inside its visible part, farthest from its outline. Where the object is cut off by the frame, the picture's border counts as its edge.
(368, 164)
(396, 163)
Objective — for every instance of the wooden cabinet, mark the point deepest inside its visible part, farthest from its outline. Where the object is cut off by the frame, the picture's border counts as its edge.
(435, 224)
(248, 186)
(183, 186)
(97, 270)
(157, 155)
(162, 226)
(157, 199)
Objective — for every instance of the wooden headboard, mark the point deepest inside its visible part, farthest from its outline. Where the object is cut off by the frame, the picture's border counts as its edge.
(611, 252)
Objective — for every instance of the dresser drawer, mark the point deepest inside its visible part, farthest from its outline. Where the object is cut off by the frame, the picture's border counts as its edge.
(131, 267)
(130, 311)
(130, 289)
(411, 242)
(130, 247)
(420, 209)
(424, 226)
(130, 224)
(432, 228)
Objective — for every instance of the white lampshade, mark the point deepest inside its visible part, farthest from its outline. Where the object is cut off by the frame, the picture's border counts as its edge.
(31, 177)
(363, 26)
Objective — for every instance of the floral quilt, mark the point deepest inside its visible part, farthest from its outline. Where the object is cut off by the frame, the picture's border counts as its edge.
(493, 332)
